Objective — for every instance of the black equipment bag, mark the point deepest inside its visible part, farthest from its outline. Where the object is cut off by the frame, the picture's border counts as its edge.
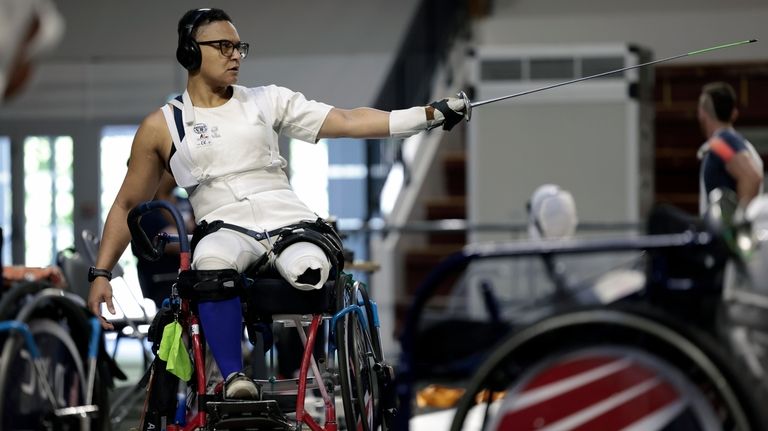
(162, 385)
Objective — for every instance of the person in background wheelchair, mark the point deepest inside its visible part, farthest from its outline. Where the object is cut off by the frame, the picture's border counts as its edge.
(219, 141)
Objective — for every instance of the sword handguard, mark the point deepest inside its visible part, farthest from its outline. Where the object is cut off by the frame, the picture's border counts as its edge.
(467, 104)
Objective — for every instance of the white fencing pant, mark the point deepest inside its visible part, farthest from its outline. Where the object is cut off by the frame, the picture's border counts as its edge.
(304, 265)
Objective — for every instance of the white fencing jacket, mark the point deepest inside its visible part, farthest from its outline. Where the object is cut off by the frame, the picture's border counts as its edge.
(227, 157)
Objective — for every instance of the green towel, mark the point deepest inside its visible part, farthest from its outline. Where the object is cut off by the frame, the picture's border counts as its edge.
(173, 351)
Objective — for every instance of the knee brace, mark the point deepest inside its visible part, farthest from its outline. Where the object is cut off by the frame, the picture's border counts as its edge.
(227, 249)
(304, 265)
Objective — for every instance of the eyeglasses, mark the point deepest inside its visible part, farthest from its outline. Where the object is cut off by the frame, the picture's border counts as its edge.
(227, 46)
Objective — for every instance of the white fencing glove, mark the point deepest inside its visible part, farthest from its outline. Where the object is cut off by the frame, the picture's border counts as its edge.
(407, 122)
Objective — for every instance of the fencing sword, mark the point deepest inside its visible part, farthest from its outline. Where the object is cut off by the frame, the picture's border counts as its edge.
(468, 105)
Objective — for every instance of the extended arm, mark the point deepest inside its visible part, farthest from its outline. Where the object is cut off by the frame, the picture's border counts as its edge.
(140, 183)
(373, 123)
(355, 123)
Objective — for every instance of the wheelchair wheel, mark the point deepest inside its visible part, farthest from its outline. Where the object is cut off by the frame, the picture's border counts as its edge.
(373, 330)
(23, 404)
(609, 370)
(61, 331)
(359, 383)
(386, 407)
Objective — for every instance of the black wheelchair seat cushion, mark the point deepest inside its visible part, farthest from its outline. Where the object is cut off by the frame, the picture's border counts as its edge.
(265, 294)
(268, 296)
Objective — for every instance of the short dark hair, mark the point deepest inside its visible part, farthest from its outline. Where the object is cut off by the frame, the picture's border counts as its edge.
(187, 51)
(723, 98)
(194, 18)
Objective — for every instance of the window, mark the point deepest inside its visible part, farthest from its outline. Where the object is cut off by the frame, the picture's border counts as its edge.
(501, 70)
(594, 65)
(331, 178)
(115, 149)
(551, 68)
(5, 196)
(48, 201)
(309, 174)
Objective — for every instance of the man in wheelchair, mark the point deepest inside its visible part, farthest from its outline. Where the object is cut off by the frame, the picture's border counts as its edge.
(305, 254)
(220, 142)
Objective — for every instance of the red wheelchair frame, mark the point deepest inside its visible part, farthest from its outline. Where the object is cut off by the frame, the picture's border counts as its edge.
(364, 379)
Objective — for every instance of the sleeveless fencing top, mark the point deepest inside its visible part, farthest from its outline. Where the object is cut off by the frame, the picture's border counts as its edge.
(228, 159)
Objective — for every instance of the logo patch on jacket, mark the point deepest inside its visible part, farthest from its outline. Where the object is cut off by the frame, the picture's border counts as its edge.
(202, 136)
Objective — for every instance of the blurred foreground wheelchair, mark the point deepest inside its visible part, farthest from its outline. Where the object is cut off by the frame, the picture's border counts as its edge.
(664, 357)
(54, 371)
(131, 323)
(349, 366)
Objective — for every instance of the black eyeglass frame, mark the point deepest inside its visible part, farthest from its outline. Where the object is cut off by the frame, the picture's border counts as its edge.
(228, 45)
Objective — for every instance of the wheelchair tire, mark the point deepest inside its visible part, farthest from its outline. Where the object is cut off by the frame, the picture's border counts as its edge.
(10, 302)
(372, 328)
(23, 405)
(359, 384)
(386, 408)
(60, 327)
(610, 369)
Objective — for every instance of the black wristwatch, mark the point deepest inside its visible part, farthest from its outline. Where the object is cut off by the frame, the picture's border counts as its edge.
(94, 272)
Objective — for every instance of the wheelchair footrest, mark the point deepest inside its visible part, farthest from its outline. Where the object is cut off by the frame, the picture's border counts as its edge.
(284, 391)
(80, 411)
(262, 415)
(284, 386)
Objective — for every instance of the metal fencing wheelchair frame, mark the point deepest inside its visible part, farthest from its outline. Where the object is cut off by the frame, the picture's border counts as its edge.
(43, 381)
(677, 351)
(361, 374)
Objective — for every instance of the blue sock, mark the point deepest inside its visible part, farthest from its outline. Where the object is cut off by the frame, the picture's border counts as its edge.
(222, 326)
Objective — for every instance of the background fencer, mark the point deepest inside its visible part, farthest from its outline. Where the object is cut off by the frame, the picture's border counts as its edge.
(220, 142)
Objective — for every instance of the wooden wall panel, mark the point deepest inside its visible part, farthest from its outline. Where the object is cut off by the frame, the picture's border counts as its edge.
(677, 131)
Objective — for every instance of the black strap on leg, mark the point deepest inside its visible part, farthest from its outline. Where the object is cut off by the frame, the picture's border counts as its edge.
(317, 232)
(210, 285)
(205, 228)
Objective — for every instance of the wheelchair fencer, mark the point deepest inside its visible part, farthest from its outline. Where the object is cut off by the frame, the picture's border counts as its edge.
(637, 363)
(54, 369)
(351, 364)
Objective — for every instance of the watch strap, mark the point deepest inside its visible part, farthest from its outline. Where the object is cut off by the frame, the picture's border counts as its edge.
(94, 272)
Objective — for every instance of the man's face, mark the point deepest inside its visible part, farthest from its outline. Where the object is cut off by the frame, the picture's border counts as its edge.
(216, 66)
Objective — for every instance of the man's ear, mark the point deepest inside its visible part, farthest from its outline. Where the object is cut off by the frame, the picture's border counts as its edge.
(734, 115)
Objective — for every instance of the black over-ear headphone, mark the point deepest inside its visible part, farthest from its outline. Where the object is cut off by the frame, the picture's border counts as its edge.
(188, 51)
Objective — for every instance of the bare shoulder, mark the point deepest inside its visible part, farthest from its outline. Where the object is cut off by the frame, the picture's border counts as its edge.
(153, 134)
(154, 125)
